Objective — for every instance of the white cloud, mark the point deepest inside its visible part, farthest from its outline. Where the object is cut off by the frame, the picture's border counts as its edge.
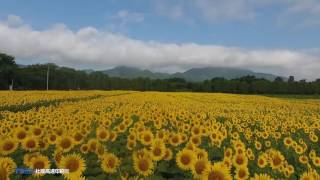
(301, 14)
(91, 48)
(216, 10)
(125, 17)
(296, 13)
(171, 10)
(14, 20)
(122, 19)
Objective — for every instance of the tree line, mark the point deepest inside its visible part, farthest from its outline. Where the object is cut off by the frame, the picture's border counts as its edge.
(34, 77)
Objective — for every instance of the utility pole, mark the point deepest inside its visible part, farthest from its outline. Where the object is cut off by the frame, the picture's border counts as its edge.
(11, 85)
(48, 70)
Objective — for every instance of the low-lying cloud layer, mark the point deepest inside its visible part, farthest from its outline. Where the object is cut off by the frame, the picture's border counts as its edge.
(91, 48)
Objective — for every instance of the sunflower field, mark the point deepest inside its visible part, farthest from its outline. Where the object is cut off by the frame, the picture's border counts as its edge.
(155, 135)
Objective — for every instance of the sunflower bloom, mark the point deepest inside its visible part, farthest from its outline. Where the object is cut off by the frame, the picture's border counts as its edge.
(276, 159)
(146, 137)
(199, 167)
(240, 160)
(8, 146)
(242, 173)
(110, 163)
(75, 164)
(185, 159)
(157, 150)
(65, 143)
(20, 134)
(262, 161)
(40, 162)
(217, 171)
(7, 167)
(168, 154)
(262, 177)
(30, 144)
(142, 164)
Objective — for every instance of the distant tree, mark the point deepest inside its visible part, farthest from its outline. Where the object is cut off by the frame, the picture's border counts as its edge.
(291, 79)
(7, 70)
(278, 79)
(62, 78)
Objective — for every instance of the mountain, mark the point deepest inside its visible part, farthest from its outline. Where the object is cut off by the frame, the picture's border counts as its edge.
(88, 71)
(131, 72)
(201, 74)
(22, 65)
(194, 74)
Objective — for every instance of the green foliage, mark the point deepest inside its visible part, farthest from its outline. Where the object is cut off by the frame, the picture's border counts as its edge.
(33, 77)
(7, 69)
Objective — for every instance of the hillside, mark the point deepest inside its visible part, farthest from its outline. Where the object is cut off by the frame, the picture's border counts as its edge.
(194, 74)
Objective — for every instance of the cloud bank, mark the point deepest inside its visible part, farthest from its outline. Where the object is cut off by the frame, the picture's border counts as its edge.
(92, 48)
(296, 13)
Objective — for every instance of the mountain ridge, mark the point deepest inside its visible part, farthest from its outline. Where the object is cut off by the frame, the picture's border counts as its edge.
(193, 74)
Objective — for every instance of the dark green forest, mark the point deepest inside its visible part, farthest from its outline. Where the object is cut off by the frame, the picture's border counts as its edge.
(34, 77)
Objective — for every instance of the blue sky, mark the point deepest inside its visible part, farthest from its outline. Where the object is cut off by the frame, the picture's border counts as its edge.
(263, 31)
(163, 30)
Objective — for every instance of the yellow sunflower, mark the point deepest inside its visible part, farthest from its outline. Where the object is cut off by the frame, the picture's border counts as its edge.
(27, 158)
(262, 177)
(201, 153)
(102, 134)
(131, 145)
(110, 163)
(141, 153)
(196, 130)
(199, 167)
(20, 134)
(310, 175)
(157, 150)
(228, 153)
(216, 171)
(303, 159)
(175, 140)
(240, 160)
(40, 162)
(7, 167)
(37, 131)
(142, 164)
(57, 156)
(113, 136)
(93, 144)
(43, 144)
(257, 145)
(227, 162)
(196, 140)
(276, 159)
(287, 141)
(161, 134)
(185, 159)
(262, 161)
(100, 150)
(132, 137)
(78, 137)
(30, 144)
(242, 173)
(168, 154)
(75, 164)
(146, 137)
(8, 146)
(84, 148)
(316, 161)
(52, 138)
(65, 143)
